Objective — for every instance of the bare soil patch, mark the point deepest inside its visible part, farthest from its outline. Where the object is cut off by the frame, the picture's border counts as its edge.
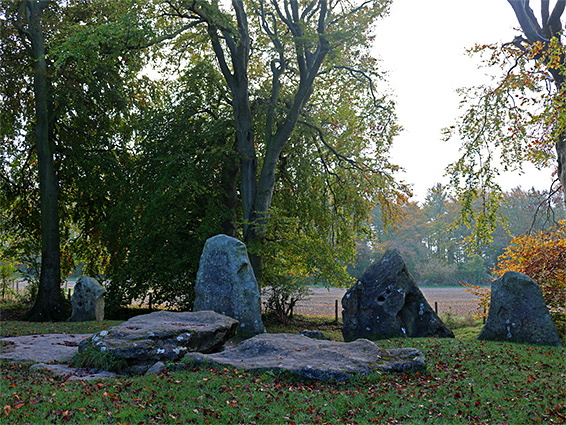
(322, 302)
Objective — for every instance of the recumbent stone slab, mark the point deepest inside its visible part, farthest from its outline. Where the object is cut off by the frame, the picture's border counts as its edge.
(386, 302)
(315, 359)
(518, 313)
(164, 335)
(226, 283)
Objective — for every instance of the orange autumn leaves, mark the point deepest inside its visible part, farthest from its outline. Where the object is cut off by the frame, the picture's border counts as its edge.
(541, 255)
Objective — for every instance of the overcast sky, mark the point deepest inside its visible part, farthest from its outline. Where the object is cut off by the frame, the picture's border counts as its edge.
(422, 44)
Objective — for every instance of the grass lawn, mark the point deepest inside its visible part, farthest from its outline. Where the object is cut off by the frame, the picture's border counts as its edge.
(466, 381)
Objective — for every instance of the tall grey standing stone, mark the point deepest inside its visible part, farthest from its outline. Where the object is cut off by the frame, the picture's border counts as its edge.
(87, 300)
(386, 302)
(226, 283)
(518, 313)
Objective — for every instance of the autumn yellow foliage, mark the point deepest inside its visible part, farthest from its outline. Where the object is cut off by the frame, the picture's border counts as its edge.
(540, 255)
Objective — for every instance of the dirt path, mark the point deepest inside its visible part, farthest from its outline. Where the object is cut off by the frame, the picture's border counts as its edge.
(322, 301)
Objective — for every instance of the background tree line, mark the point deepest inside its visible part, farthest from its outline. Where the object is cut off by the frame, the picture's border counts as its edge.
(435, 245)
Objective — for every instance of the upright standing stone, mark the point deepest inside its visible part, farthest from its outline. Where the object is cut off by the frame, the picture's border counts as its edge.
(226, 283)
(518, 313)
(87, 300)
(386, 302)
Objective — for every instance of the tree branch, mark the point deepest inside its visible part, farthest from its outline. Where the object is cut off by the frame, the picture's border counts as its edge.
(519, 7)
(341, 158)
(357, 72)
(532, 17)
(341, 17)
(20, 27)
(173, 34)
(554, 23)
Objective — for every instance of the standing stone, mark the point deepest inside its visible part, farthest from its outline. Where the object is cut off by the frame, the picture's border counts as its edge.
(226, 283)
(386, 302)
(518, 313)
(87, 300)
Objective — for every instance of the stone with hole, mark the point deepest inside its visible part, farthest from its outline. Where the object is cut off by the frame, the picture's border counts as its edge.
(386, 303)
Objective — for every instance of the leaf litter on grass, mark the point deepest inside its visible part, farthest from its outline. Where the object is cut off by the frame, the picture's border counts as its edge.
(466, 381)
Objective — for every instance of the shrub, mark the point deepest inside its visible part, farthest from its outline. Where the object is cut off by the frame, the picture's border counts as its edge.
(542, 257)
(283, 294)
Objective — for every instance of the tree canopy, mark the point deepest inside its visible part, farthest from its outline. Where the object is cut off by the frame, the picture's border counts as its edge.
(269, 123)
(519, 118)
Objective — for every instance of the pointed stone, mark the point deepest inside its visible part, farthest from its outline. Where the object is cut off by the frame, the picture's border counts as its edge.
(386, 303)
(518, 313)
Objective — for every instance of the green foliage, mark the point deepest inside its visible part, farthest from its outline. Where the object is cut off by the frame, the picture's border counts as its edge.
(89, 102)
(148, 169)
(474, 271)
(438, 273)
(170, 198)
(282, 294)
(435, 246)
(7, 278)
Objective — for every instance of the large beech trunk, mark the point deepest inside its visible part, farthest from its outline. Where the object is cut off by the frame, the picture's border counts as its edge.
(49, 304)
(550, 27)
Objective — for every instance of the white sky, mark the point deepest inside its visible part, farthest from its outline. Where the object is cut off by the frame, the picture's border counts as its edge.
(422, 44)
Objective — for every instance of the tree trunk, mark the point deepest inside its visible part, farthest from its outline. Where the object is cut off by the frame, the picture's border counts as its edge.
(49, 304)
(248, 176)
(549, 28)
(230, 195)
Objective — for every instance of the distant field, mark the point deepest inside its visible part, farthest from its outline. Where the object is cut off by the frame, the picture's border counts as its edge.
(322, 301)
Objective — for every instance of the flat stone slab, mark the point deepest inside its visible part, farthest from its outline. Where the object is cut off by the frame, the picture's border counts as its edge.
(49, 348)
(164, 335)
(74, 373)
(42, 348)
(315, 359)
